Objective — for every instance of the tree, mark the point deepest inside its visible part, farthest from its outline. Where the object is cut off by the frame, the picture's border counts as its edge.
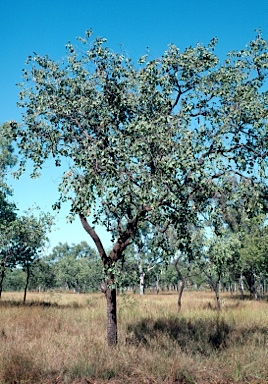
(243, 208)
(7, 157)
(42, 276)
(31, 237)
(221, 253)
(76, 267)
(22, 241)
(145, 143)
(8, 212)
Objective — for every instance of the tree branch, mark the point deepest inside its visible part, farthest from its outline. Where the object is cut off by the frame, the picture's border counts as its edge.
(95, 238)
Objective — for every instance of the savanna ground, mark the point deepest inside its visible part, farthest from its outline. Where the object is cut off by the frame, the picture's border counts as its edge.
(61, 339)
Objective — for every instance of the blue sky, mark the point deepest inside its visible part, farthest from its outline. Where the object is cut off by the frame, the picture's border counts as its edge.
(45, 26)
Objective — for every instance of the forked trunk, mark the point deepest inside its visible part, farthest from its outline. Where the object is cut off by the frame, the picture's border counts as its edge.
(111, 317)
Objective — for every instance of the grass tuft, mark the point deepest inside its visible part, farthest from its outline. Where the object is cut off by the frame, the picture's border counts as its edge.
(19, 368)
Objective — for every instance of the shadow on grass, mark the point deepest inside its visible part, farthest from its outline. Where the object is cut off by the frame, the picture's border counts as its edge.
(203, 336)
(39, 304)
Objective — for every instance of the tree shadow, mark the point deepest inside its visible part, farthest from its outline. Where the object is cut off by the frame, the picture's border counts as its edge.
(195, 336)
(203, 336)
(39, 304)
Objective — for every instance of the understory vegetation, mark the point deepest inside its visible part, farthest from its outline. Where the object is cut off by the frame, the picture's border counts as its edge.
(60, 338)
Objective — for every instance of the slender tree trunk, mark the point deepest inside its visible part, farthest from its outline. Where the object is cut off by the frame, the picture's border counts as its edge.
(1, 282)
(3, 270)
(181, 289)
(142, 283)
(218, 298)
(181, 285)
(111, 317)
(157, 283)
(241, 286)
(142, 277)
(27, 283)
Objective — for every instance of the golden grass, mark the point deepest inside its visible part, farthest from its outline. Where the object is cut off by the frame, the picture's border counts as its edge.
(61, 338)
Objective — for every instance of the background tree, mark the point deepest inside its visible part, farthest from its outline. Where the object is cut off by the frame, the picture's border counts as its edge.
(76, 267)
(8, 212)
(222, 251)
(7, 157)
(30, 241)
(43, 276)
(242, 209)
(145, 143)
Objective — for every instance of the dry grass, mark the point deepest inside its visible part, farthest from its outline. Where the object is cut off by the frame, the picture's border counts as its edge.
(61, 339)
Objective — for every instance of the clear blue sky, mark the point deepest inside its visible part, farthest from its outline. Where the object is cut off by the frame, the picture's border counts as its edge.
(45, 26)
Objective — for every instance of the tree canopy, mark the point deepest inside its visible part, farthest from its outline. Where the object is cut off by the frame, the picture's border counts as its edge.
(147, 142)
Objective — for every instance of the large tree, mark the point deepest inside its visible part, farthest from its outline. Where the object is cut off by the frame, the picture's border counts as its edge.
(146, 142)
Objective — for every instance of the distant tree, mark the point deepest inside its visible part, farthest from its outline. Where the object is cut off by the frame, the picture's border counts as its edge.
(76, 267)
(7, 157)
(8, 214)
(242, 209)
(145, 143)
(42, 275)
(14, 280)
(21, 238)
(253, 255)
(25, 239)
(222, 251)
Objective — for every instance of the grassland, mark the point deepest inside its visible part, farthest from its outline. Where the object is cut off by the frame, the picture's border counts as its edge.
(61, 338)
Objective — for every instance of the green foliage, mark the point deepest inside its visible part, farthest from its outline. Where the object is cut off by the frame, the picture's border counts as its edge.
(75, 267)
(147, 143)
(7, 157)
(14, 280)
(42, 276)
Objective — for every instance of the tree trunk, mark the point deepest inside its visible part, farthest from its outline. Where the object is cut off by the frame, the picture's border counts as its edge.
(2, 277)
(142, 277)
(241, 286)
(218, 299)
(142, 283)
(157, 285)
(27, 283)
(111, 317)
(182, 285)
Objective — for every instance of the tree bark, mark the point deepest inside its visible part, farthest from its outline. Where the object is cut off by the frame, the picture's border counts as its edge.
(182, 285)
(2, 276)
(142, 283)
(218, 298)
(241, 286)
(182, 282)
(111, 317)
(27, 283)
(1, 282)
(142, 277)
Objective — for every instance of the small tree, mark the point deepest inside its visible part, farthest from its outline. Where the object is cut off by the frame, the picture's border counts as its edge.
(25, 238)
(147, 142)
(221, 252)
